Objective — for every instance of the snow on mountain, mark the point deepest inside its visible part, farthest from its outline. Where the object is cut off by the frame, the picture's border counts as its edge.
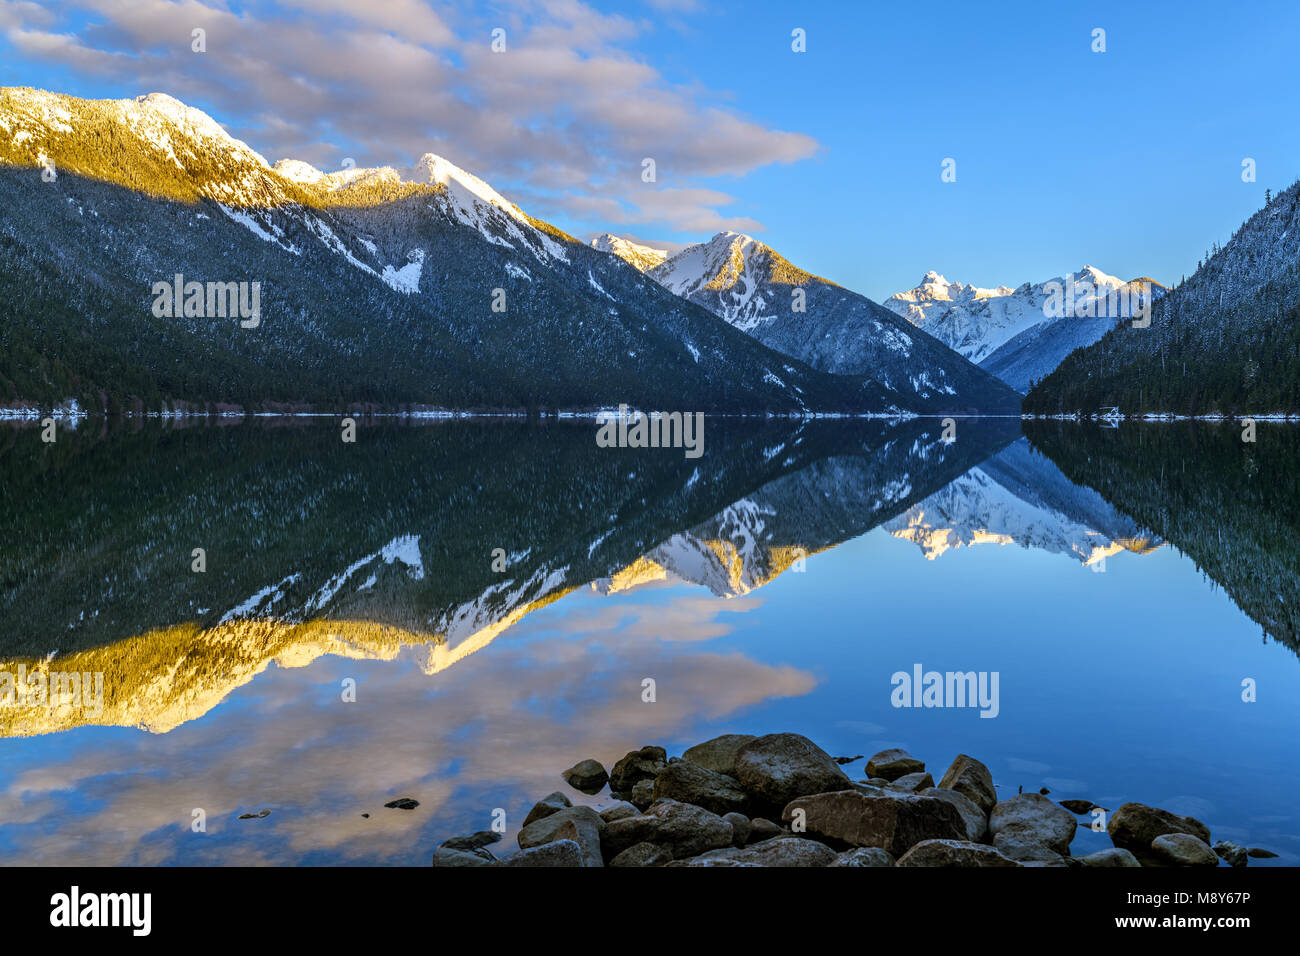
(641, 257)
(758, 291)
(1020, 334)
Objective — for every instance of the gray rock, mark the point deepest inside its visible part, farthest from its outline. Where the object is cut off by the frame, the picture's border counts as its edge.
(843, 760)
(894, 823)
(1034, 819)
(740, 828)
(587, 776)
(643, 794)
(718, 754)
(1111, 856)
(586, 830)
(618, 811)
(1231, 854)
(864, 856)
(912, 783)
(1023, 846)
(688, 783)
(684, 829)
(953, 853)
(1259, 853)
(782, 851)
(546, 806)
(1183, 849)
(447, 856)
(878, 782)
(636, 766)
(764, 829)
(893, 763)
(1078, 806)
(972, 779)
(558, 853)
(643, 854)
(474, 841)
(1134, 825)
(777, 768)
(976, 820)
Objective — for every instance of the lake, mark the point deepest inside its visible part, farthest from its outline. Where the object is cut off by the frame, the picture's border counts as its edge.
(457, 611)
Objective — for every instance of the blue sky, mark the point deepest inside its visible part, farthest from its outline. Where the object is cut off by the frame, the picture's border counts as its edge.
(1129, 160)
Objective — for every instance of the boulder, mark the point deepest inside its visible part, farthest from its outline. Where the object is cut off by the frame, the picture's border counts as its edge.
(1183, 849)
(864, 856)
(972, 779)
(740, 828)
(1259, 853)
(558, 853)
(546, 806)
(1111, 856)
(1024, 846)
(618, 811)
(777, 768)
(782, 851)
(689, 783)
(585, 831)
(1134, 825)
(894, 823)
(449, 856)
(893, 763)
(587, 776)
(643, 794)
(636, 766)
(683, 829)
(953, 853)
(1230, 853)
(1078, 806)
(643, 854)
(912, 782)
(474, 841)
(763, 829)
(718, 754)
(1034, 819)
(976, 820)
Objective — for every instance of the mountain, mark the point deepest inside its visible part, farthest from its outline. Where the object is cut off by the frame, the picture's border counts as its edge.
(1016, 334)
(1224, 341)
(833, 329)
(640, 257)
(421, 287)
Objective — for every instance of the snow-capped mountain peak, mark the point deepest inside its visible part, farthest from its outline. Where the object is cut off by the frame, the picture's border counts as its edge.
(639, 256)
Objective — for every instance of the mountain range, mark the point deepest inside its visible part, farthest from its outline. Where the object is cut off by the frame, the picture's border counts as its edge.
(1013, 333)
(387, 288)
(833, 329)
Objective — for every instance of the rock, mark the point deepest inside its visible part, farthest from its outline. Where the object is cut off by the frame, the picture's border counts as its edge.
(777, 768)
(718, 754)
(643, 794)
(684, 829)
(912, 782)
(564, 852)
(1034, 819)
(1043, 791)
(894, 823)
(260, 815)
(1111, 856)
(1023, 846)
(546, 806)
(864, 856)
(894, 763)
(782, 851)
(447, 856)
(636, 766)
(953, 853)
(618, 811)
(878, 782)
(1183, 849)
(643, 854)
(1078, 806)
(763, 829)
(586, 830)
(1260, 854)
(1230, 853)
(474, 841)
(975, 819)
(402, 803)
(740, 828)
(1134, 825)
(843, 760)
(971, 778)
(587, 776)
(688, 783)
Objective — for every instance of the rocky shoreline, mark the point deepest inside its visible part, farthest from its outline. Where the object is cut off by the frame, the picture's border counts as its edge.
(780, 800)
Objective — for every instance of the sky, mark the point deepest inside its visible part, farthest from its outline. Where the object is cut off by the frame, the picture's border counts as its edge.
(1128, 159)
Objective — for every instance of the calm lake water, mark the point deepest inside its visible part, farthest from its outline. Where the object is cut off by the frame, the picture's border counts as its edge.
(494, 596)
